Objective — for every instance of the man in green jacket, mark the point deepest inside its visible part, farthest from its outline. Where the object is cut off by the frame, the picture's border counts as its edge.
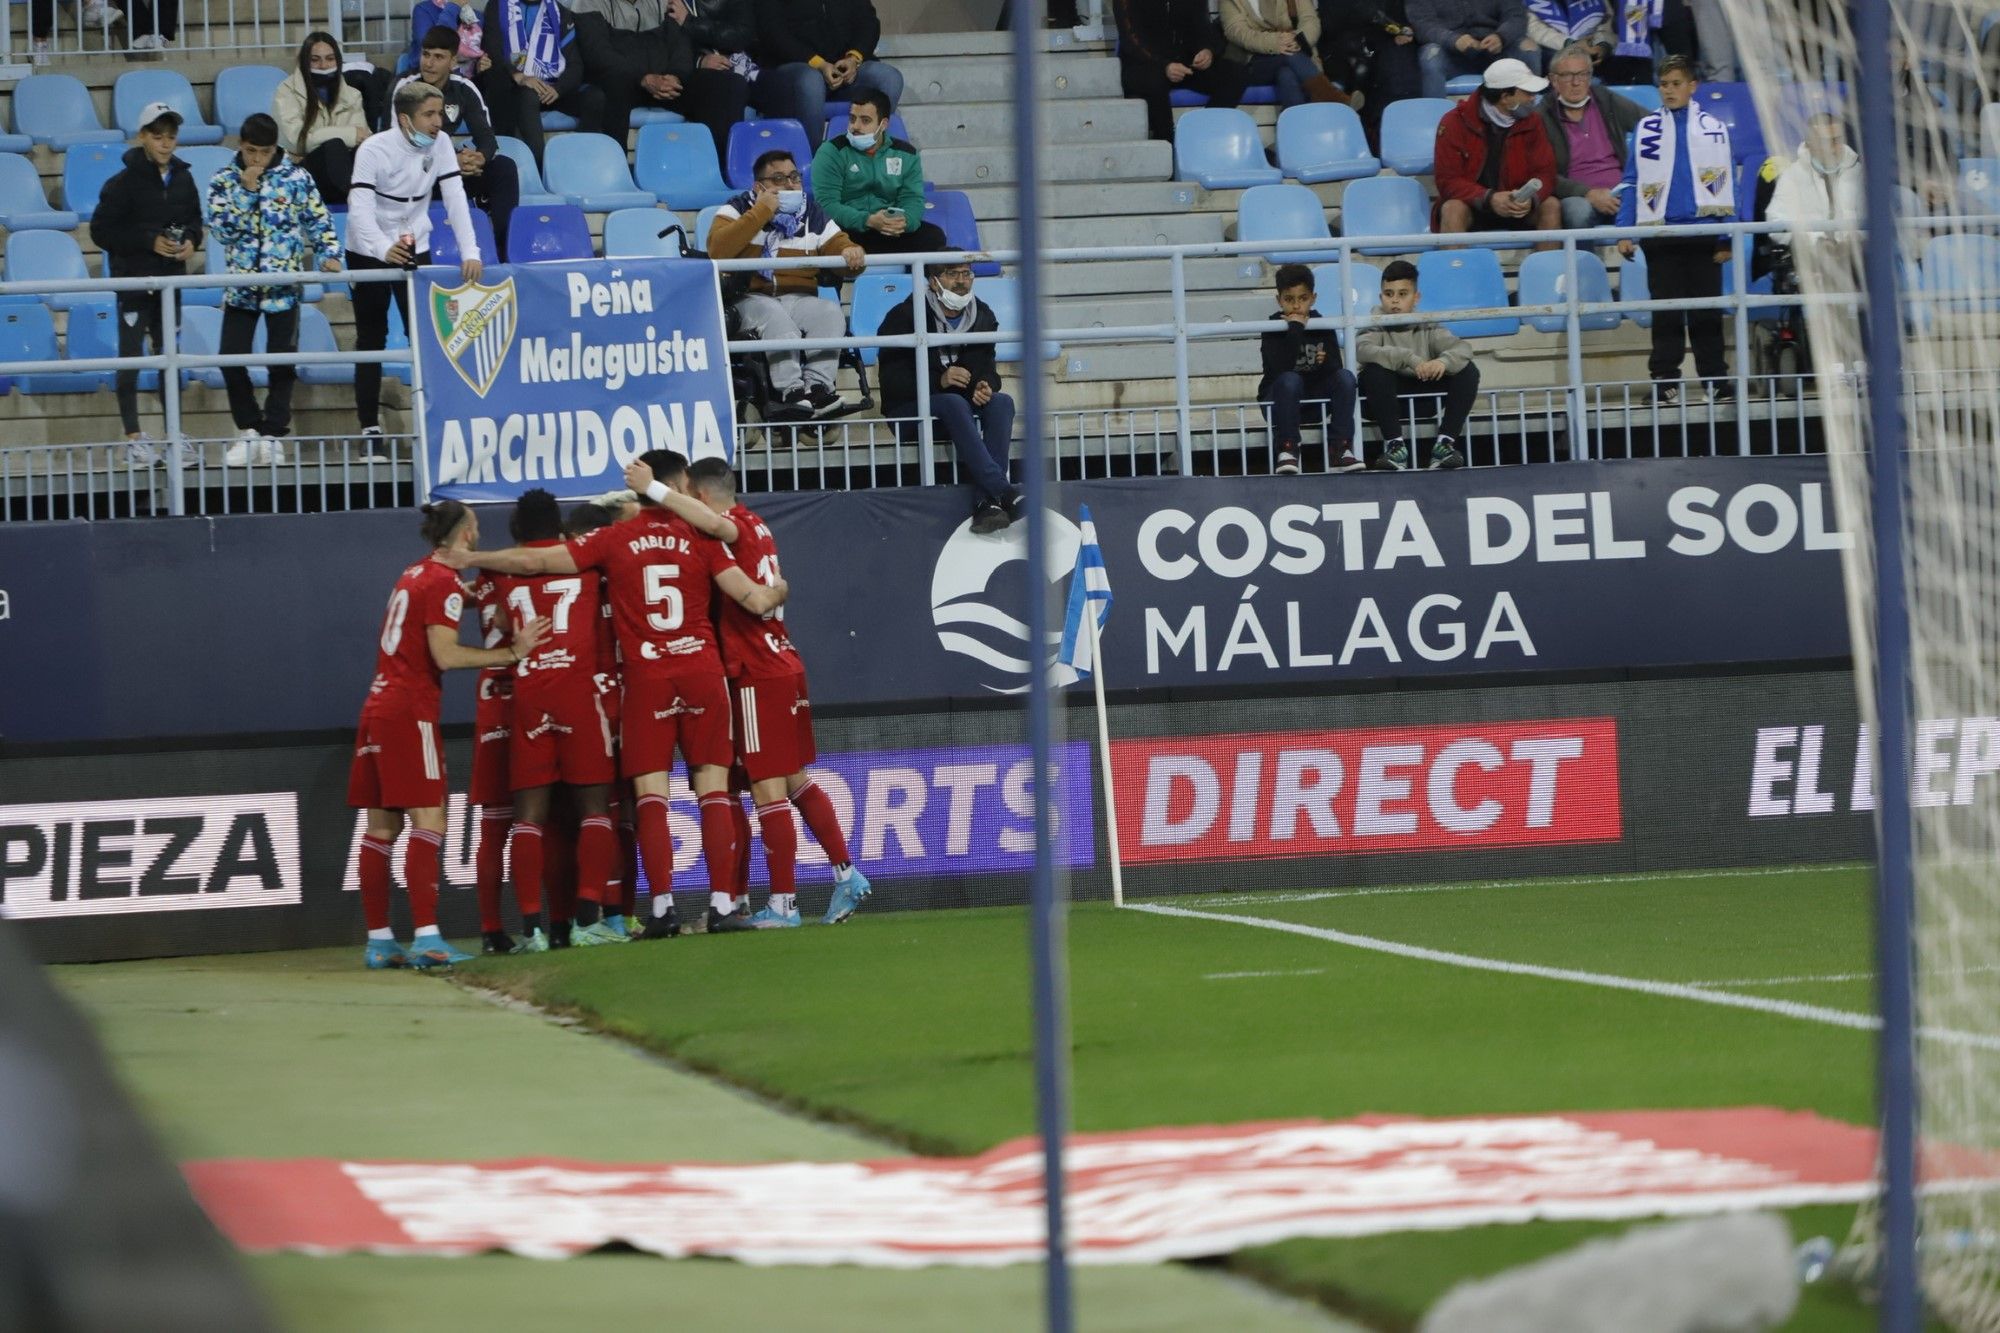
(872, 186)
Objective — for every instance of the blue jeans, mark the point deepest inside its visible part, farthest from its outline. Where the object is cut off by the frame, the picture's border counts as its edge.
(1285, 392)
(1440, 65)
(983, 437)
(799, 91)
(1287, 73)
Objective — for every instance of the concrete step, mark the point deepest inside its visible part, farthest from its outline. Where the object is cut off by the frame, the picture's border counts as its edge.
(909, 47)
(1203, 308)
(1140, 160)
(1139, 361)
(1105, 199)
(1149, 277)
(1163, 229)
(1065, 120)
(936, 81)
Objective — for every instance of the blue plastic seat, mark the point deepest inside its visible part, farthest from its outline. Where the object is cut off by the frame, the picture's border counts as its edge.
(444, 241)
(242, 91)
(1543, 280)
(1959, 273)
(837, 126)
(1466, 280)
(138, 87)
(1219, 147)
(751, 139)
(85, 170)
(1644, 94)
(558, 122)
(93, 335)
(876, 293)
(1188, 97)
(1384, 206)
(702, 222)
(1259, 94)
(55, 110)
(23, 206)
(1362, 295)
(951, 210)
(1979, 185)
(536, 235)
(16, 143)
(316, 335)
(47, 256)
(589, 171)
(28, 333)
(203, 163)
(1409, 133)
(1284, 212)
(1761, 286)
(655, 115)
(1635, 285)
(1324, 141)
(1463, 85)
(1732, 104)
(634, 233)
(534, 194)
(1003, 297)
(201, 335)
(677, 164)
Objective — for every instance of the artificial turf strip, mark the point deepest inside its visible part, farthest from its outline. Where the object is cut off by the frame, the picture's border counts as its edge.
(916, 1025)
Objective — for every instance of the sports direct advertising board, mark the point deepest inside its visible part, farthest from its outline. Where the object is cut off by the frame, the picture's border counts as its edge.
(212, 850)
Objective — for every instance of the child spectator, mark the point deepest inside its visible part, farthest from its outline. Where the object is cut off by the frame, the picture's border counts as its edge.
(321, 119)
(1301, 367)
(872, 185)
(1413, 360)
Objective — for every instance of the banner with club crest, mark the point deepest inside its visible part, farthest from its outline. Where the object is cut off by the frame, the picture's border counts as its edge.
(558, 374)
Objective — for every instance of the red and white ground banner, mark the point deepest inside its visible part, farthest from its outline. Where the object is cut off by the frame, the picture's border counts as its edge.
(1134, 1198)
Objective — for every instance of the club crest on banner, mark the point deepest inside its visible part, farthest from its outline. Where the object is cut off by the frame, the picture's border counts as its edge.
(475, 327)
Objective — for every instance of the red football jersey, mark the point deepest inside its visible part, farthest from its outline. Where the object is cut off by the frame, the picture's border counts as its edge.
(658, 571)
(567, 659)
(427, 594)
(484, 594)
(755, 647)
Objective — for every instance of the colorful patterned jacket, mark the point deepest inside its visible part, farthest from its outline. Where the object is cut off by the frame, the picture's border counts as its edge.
(281, 227)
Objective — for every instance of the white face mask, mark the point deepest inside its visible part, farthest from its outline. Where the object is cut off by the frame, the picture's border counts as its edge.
(1577, 105)
(953, 301)
(862, 141)
(791, 201)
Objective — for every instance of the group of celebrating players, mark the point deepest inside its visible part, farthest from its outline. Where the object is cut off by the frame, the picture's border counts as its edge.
(605, 650)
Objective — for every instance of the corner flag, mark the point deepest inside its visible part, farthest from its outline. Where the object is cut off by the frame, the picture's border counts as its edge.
(1088, 583)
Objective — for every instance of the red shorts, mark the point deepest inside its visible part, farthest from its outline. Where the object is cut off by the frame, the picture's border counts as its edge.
(398, 761)
(491, 737)
(660, 712)
(565, 737)
(773, 718)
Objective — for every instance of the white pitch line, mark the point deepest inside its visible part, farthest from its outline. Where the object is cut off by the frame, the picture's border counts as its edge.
(1262, 897)
(1673, 990)
(1846, 976)
(1241, 976)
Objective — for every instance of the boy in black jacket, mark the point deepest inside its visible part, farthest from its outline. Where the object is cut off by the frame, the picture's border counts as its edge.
(1305, 367)
(148, 223)
(965, 389)
(1169, 44)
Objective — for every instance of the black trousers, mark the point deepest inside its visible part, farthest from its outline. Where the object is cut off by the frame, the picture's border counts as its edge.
(1679, 270)
(1383, 391)
(517, 111)
(497, 189)
(281, 334)
(331, 165)
(920, 239)
(712, 98)
(1223, 81)
(138, 320)
(371, 330)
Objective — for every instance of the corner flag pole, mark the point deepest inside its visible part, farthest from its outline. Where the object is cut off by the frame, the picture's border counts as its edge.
(1104, 756)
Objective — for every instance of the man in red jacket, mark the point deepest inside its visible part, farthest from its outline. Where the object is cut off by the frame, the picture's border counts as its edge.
(1495, 169)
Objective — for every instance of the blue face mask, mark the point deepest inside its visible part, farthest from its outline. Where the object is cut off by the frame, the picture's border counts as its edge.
(791, 201)
(421, 142)
(862, 141)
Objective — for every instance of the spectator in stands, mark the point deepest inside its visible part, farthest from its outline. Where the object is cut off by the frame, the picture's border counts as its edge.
(42, 24)
(1275, 41)
(872, 185)
(491, 179)
(1495, 169)
(389, 226)
(1302, 367)
(320, 117)
(1822, 184)
(1679, 175)
(1411, 361)
(1554, 25)
(463, 20)
(148, 223)
(966, 400)
(723, 34)
(1465, 36)
(1716, 43)
(1588, 128)
(1930, 135)
(815, 48)
(657, 67)
(535, 69)
(268, 215)
(778, 218)
(1369, 48)
(1168, 44)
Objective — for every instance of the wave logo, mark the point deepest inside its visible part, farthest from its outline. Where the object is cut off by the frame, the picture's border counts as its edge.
(979, 598)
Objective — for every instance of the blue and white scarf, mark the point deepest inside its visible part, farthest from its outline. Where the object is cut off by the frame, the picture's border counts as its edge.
(782, 227)
(535, 38)
(1657, 142)
(1637, 20)
(1573, 21)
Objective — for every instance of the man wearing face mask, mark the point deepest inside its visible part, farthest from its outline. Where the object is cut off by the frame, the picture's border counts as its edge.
(872, 185)
(1588, 128)
(1823, 184)
(389, 226)
(1494, 167)
(966, 400)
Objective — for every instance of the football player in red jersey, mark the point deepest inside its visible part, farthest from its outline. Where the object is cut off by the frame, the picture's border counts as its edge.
(492, 724)
(773, 715)
(658, 568)
(398, 765)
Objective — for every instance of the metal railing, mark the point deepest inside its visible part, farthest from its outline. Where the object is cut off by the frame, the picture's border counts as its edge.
(266, 28)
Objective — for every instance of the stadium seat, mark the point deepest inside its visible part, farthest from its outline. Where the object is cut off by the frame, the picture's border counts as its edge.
(1463, 85)
(86, 168)
(951, 210)
(1323, 141)
(1003, 297)
(1634, 285)
(1543, 280)
(634, 233)
(1220, 149)
(1732, 104)
(93, 335)
(876, 293)
(444, 241)
(534, 194)
(201, 335)
(399, 340)
(1283, 213)
(242, 91)
(1760, 286)
(1979, 185)
(837, 126)
(137, 88)
(1362, 295)
(1645, 94)
(47, 256)
(1466, 280)
(655, 115)
(1188, 97)
(1384, 206)
(751, 139)
(1959, 272)
(536, 235)
(558, 122)
(1259, 94)
(677, 164)
(203, 162)
(702, 222)
(589, 171)
(1989, 130)
(316, 335)
(23, 206)
(55, 111)
(1409, 133)
(28, 333)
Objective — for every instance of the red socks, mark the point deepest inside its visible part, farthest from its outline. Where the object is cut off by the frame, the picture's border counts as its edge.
(781, 844)
(420, 877)
(489, 863)
(528, 859)
(740, 825)
(656, 844)
(597, 862)
(373, 868)
(718, 840)
(817, 810)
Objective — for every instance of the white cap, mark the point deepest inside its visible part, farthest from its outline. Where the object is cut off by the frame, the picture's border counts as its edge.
(1512, 73)
(158, 111)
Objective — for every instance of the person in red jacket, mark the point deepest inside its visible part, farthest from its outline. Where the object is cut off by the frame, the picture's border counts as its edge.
(1491, 149)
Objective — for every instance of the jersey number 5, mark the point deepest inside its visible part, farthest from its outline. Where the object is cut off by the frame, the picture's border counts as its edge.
(660, 590)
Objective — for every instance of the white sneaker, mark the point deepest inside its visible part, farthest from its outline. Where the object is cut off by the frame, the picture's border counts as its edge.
(38, 51)
(249, 444)
(373, 445)
(141, 451)
(101, 15)
(274, 449)
(149, 42)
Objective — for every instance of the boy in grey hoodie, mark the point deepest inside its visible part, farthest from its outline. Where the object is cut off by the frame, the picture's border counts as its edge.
(1409, 360)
